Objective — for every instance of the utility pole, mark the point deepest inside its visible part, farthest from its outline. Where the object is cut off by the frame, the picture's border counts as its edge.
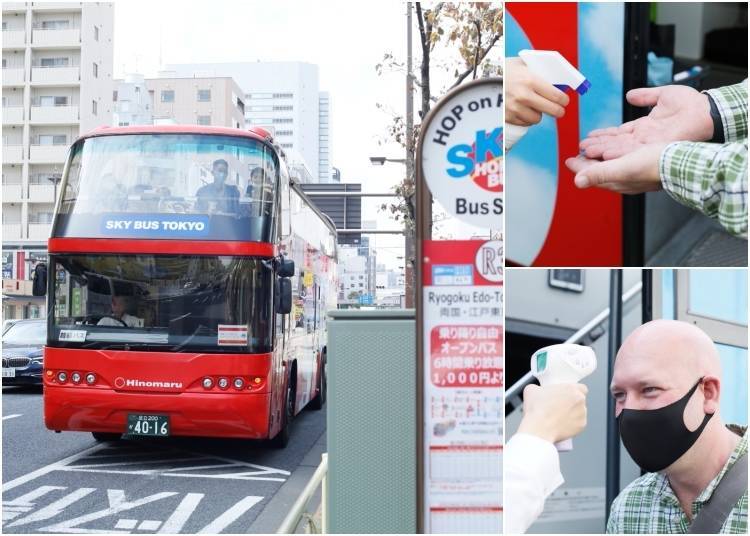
(409, 267)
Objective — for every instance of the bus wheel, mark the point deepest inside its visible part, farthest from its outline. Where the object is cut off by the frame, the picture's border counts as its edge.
(318, 402)
(281, 439)
(105, 436)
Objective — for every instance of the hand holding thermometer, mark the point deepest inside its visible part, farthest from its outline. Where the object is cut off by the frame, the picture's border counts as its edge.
(563, 363)
(555, 69)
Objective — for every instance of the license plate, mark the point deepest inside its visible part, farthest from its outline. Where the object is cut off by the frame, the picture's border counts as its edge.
(148, 425)
(9, 373)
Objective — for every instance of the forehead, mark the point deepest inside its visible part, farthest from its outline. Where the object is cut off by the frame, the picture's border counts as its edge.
(633, 368)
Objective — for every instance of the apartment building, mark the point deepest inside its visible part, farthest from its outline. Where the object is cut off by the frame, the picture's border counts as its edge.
(56, 84)
(286, 97)
(132, 102)
(216, 101)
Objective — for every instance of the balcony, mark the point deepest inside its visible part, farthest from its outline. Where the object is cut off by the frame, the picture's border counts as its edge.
(12, 192)
(12, 115)
(55, 75)
(14, 38)
(12, 154)
(13, 77)
(48, 154)
(11, 231)
(42, 193)
(54, 114)
(56, 38)
(39, 231)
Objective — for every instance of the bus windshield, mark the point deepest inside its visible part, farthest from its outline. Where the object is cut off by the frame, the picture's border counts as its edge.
(174, 186)
(176, 303)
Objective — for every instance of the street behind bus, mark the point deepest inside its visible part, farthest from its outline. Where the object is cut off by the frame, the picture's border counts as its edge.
(69, 483)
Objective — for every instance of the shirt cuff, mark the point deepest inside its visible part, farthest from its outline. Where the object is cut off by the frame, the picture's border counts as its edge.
(543, 458)
(731, 101)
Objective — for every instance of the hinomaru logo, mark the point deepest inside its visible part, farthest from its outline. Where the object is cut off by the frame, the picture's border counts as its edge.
(121, 382)
(481, 160)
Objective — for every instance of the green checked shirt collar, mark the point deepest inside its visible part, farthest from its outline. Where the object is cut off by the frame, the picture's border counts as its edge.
(649, 506)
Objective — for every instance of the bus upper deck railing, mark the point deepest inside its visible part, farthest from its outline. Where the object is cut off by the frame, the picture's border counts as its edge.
(300, 506)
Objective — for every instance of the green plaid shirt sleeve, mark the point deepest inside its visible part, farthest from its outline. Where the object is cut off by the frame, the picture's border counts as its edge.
(648, 505)
(732, 104)
(710, 178)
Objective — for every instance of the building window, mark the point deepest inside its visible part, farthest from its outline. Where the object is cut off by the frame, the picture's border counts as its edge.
(93, 107)
(5, 63)
(96, 71)
(5, 25)
(286, 145)
(283, 95)
(52, 101)
(285, 133)
(282, 120)
(282, 108)
(54, 62)
(259, 96)
(55, 24)
(124, 124)
(114, 96)
(53, 139)
(204, 95)
(204, 119)
(96, 33)
(167, 95)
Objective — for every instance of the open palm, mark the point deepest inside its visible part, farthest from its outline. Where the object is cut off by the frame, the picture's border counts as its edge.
(679, 113)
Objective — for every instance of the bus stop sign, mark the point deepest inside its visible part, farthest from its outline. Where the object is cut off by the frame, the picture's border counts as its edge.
(461, 150)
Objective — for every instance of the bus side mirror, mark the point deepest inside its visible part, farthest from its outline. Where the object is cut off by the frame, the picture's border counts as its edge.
(286, 268)
(285, 296)
(39, 280)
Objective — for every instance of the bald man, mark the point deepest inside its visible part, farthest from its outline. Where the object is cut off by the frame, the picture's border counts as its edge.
(667, 386)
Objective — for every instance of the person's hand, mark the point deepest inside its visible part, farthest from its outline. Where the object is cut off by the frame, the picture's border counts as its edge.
(528, 96)
(632, 173)
(680, 113)
(554, 412)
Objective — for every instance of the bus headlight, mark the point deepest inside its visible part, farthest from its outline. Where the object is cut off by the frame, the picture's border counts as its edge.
(208, 383)
(239, 383)
(76, 377)
(90, 378)
(62, 377)
(223, 383)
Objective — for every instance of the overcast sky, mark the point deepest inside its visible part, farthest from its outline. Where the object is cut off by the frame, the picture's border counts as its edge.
(345, 39)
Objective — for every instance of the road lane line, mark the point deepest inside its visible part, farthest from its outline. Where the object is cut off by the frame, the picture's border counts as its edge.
(175, 522)
(12, 416)
(29, 498)
(54, 466)
(54, 509)
(138, 462)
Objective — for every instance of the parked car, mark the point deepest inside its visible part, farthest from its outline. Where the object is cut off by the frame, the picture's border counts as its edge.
(8, 323)
(23, 347)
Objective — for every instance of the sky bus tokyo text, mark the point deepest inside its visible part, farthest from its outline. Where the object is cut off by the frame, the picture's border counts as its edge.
(188, 283)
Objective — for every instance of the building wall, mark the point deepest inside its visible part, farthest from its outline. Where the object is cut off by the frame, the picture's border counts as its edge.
(224, 108)
(132, 102)
(49, 90)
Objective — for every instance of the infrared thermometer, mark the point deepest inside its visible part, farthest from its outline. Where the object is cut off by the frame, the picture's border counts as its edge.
(563, 363)
(555, 69)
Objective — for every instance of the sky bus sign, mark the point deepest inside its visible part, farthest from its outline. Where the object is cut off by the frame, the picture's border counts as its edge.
(461, 153)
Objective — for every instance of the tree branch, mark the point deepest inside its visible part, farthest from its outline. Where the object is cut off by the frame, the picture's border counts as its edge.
(484, 53)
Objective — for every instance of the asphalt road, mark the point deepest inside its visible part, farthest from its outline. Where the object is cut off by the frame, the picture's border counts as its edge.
(69, 483)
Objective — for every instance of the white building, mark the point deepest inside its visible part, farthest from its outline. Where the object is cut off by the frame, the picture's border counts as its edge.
(57, 84)
(132, 102)
(285, 96)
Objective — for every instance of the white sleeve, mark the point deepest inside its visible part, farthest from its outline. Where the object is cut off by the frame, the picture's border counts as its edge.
(531, 471)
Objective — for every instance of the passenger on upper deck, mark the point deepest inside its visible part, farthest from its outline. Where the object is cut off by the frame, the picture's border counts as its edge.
(218, 196)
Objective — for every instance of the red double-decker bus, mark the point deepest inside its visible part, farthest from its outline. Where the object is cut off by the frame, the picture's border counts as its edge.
(188, 281)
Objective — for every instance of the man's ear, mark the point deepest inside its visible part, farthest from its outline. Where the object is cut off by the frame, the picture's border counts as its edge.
(711, 386)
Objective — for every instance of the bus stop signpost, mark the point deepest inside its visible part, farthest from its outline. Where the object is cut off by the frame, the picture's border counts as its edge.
(459, 315)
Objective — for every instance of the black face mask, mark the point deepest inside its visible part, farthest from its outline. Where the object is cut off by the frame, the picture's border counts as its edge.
(656, 438)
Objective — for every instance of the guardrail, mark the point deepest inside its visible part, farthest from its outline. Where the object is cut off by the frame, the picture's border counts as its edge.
(299, 508)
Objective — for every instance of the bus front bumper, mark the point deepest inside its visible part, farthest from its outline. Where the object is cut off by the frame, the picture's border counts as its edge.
(240, 415)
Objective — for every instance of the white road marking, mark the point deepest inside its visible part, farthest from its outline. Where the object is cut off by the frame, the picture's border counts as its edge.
(55, 508)
(48, 468)
(12, 416)
(126, 523)
(149, 524)
(231, 515)
(117, 504)
(182, 513)
(112, 464)
(29, 498)
(159, 472)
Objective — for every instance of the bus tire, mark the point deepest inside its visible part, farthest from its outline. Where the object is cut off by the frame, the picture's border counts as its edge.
(319, 401)
(106, 436)
(281, 439)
